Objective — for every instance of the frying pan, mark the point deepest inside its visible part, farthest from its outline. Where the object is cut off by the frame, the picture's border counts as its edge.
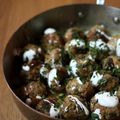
(83, 15)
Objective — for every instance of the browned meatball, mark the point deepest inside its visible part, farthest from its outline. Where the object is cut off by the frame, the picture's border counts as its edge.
(109, 83)
(82, 66)
(105, 106)
(73, 33)
(104, 81)
(51, 40)
(111, 62)
(35, 91)
(56, 79)
(32, 59)
(32, 53)
(77, 87)
(74, 108)
(75, 46)
(50, 105)
(31, 73)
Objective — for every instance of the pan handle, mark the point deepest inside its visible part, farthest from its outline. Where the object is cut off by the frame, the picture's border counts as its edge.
(100, 2)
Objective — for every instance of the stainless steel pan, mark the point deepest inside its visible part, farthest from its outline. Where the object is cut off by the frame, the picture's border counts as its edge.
(83, 15)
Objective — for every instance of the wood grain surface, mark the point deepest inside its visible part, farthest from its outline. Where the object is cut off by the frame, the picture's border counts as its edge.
(13, 13)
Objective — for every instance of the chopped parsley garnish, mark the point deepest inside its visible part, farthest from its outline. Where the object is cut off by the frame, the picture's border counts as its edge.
(94, 116)
(116, 71)
(57, 105)
(69, 68)
(94, 52)
(102, 82)
(62, 96)
(76, 35)
(112, 92)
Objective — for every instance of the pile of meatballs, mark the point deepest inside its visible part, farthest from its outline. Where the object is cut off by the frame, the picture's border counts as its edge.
(74, 75)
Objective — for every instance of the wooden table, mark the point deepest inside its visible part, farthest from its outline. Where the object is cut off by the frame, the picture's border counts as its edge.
(13, 13)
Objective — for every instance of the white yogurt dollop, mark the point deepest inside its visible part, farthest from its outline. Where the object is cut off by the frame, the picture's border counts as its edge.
(99, 44)
(96, 77)
(53, 111)
(49, 31)
(73, 66)
(52, 75)
(26, 68)
(29, 54)
(107, 100)
(118, 48)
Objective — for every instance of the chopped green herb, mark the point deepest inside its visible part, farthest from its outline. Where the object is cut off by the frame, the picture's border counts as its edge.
(55, 78)
(116, 71)
(76, 35)
(61, 96)
(102, 82)
(57, 105)
(112, 92)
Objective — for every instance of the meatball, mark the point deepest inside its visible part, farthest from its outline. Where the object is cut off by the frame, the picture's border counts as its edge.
(81, 66)
(57, 78)
(30, 73)
(111, 83)
(32, 53)
(51, 39)
(104, 81)
(74, 108)
(73, 32)
(50, 105)
(112, 64)
(75, 46)
(105, 106)
(57, 57)
(32, 59)
(77, 87)
(34, 91)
